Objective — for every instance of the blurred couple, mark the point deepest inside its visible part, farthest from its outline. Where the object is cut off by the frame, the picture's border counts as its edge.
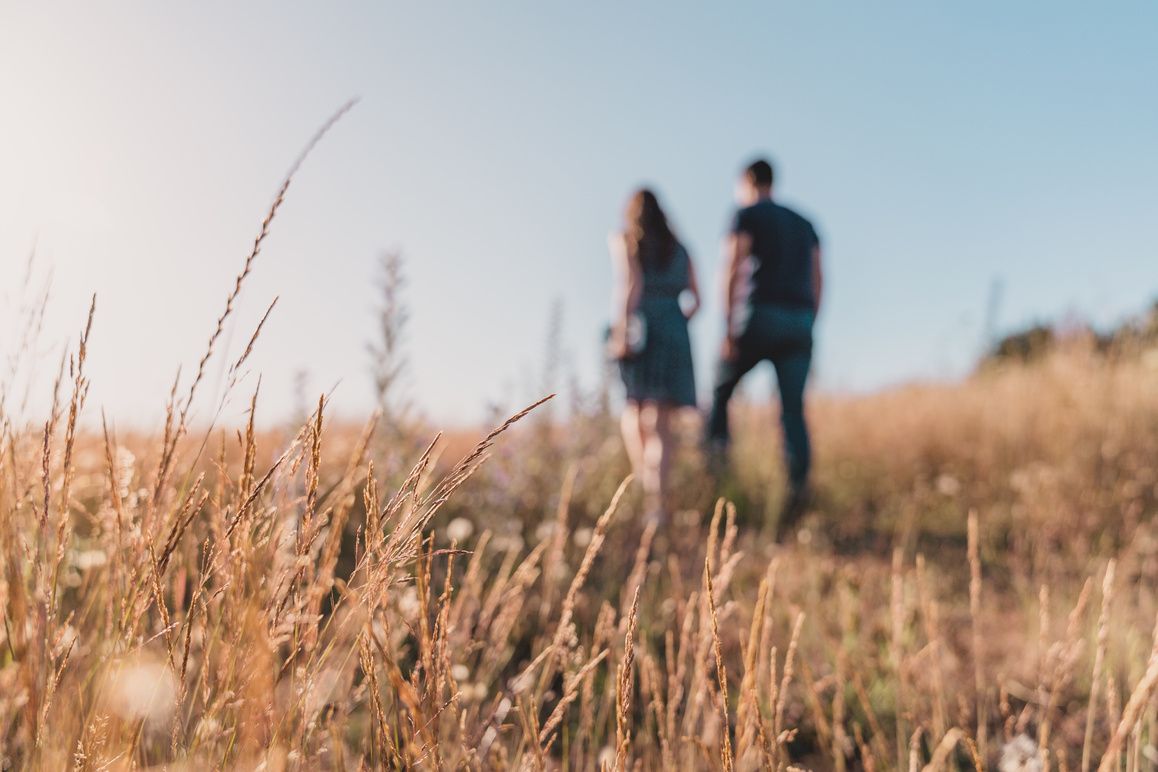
(771, 292)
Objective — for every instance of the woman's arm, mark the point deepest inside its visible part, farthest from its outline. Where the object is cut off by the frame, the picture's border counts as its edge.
(629, 275)
(629, 286)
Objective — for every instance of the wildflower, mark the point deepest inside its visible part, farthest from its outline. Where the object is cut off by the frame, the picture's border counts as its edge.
(123, 465)
(408, 605)
(89, 559)
(582, 537)
(1020, 755)
(544, 530)
(142, 691)
(459, 529)
(509, 543)
(948, 485)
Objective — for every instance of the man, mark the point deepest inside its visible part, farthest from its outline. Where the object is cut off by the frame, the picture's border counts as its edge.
(772, 284)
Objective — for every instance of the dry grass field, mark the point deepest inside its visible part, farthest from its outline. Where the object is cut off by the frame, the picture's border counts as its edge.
(975, 587)
(977, 581)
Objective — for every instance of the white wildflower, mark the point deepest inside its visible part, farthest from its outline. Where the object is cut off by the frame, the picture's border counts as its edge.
(1020, 755)
(582, 537)
(89, 559)
(544, 530)
(408, 605)
(459, 530)
(948, 485)
(123, 465)
(509, 543)
(142, 691)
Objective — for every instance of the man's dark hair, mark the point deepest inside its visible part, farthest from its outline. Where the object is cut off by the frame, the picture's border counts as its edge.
(760, 173)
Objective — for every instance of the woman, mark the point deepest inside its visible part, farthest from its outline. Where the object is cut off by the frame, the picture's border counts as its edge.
(649, 337)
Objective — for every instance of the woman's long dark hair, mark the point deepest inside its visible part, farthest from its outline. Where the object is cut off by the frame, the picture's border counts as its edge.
(648, 236)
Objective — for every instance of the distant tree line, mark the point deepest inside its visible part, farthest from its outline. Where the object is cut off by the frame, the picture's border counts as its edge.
(1130, 338)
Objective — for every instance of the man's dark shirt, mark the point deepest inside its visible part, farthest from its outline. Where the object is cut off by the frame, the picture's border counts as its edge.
(782, 245)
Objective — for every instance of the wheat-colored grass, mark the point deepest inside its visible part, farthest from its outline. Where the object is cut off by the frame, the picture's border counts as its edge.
(250, 598)
(286, 615)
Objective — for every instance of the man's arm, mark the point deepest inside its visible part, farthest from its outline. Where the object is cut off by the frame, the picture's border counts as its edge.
(817, 278)
(694, 289)
(737, 247)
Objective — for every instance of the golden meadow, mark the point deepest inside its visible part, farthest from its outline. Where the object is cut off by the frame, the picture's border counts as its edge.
(975, 588)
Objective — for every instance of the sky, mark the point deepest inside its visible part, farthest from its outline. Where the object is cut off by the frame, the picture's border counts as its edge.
(953, 157)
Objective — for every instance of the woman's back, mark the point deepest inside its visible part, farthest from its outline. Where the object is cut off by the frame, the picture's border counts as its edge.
(654, 270)
(662, 372)
(667, 279)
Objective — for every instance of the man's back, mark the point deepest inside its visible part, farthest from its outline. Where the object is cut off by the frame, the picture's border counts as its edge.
(773, 285)
(781, 254)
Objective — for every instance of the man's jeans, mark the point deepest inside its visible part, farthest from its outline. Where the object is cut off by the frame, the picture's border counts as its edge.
(784, 337)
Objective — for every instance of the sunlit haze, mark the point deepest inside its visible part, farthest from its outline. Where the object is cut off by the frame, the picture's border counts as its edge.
(942, 150)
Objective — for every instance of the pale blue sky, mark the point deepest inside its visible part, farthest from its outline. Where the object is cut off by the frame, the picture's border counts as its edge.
(937, 147)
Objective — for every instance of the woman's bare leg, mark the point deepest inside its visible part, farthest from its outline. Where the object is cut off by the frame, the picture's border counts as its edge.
(633, 436)
(663, 438)
(653, 425)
